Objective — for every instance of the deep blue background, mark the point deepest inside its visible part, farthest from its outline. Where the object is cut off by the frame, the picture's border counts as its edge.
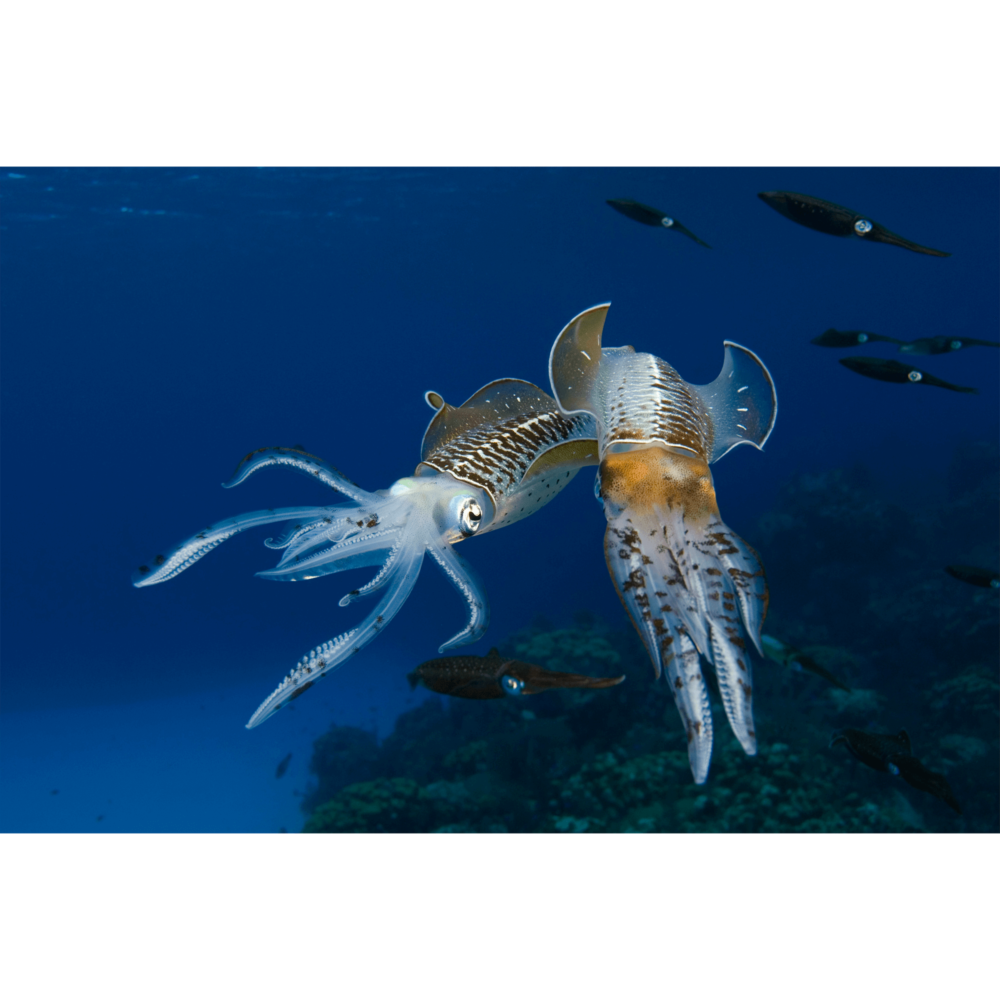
(158, 324)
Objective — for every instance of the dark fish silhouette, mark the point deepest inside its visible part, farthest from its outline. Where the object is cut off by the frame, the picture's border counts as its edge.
(884, 752)
(826, 217)
(283, 766)
(782, 653)
(896, 371)
(649, 216)
(975, 575)
(849, 338)
(874, 749)
(494, 676)
(943, 345)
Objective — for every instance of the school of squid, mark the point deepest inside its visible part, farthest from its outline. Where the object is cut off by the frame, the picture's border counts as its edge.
(695, 591)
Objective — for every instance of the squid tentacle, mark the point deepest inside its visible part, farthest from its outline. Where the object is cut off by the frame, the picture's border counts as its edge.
(352, 553)
(294, 534)
(381, 578)
(301, 461)
(667, 639)
(188, 552)
(327, 657)
(732, 671)
(687, 683)
(460, 573)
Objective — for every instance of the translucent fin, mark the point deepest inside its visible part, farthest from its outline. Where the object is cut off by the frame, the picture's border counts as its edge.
(742, 401)
(326, 658)
(468, 585)
(575, 360)
(181, 557)
(566, 457)
(301, 461)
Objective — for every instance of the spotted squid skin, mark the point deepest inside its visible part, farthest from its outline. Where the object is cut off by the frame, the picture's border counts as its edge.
(683, 574)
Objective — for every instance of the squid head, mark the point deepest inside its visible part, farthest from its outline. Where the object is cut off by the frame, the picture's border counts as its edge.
(689, 583)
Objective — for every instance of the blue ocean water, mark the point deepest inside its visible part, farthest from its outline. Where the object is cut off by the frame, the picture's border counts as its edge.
(157, 325)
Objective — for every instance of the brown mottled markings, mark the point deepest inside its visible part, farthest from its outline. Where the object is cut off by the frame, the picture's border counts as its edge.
(143, 569)
(159, 560)
(712, 571)
(678, 683)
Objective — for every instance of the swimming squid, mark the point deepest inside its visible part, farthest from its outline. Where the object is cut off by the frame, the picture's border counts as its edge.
(497, 458)
(828, 217)
(689, 583)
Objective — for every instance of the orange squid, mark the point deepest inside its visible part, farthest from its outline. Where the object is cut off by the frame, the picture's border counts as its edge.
(692, 587)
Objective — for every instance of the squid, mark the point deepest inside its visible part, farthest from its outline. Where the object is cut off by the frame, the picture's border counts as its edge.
(692, 587)
(497, 458)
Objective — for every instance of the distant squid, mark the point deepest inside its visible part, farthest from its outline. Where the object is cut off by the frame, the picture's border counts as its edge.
(495, 459)
(689, 583)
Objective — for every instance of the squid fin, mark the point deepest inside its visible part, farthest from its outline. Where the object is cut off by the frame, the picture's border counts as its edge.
(497, 400)
(568, 456)
(575, 359)
(742, 401)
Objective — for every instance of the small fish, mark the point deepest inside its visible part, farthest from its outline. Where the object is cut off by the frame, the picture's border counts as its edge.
(789, 656)
(651, 217)
(826, 217)
(943, 345)
(876, 750)
(884, 752)
(896, 371)
(493, 676)
(849, 338)
(975, 575)
(283, 766)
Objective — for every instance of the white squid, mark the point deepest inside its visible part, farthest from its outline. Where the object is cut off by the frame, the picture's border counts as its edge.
(495, 459)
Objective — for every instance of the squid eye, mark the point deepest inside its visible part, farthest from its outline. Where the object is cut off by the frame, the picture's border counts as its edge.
(511, 684)
(862, 226)
(915, 376)
(470, 516)
(956, 345)
(862, 338)
(666, 222)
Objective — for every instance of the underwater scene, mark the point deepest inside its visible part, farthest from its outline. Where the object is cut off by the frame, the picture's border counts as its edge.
(672, 634)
